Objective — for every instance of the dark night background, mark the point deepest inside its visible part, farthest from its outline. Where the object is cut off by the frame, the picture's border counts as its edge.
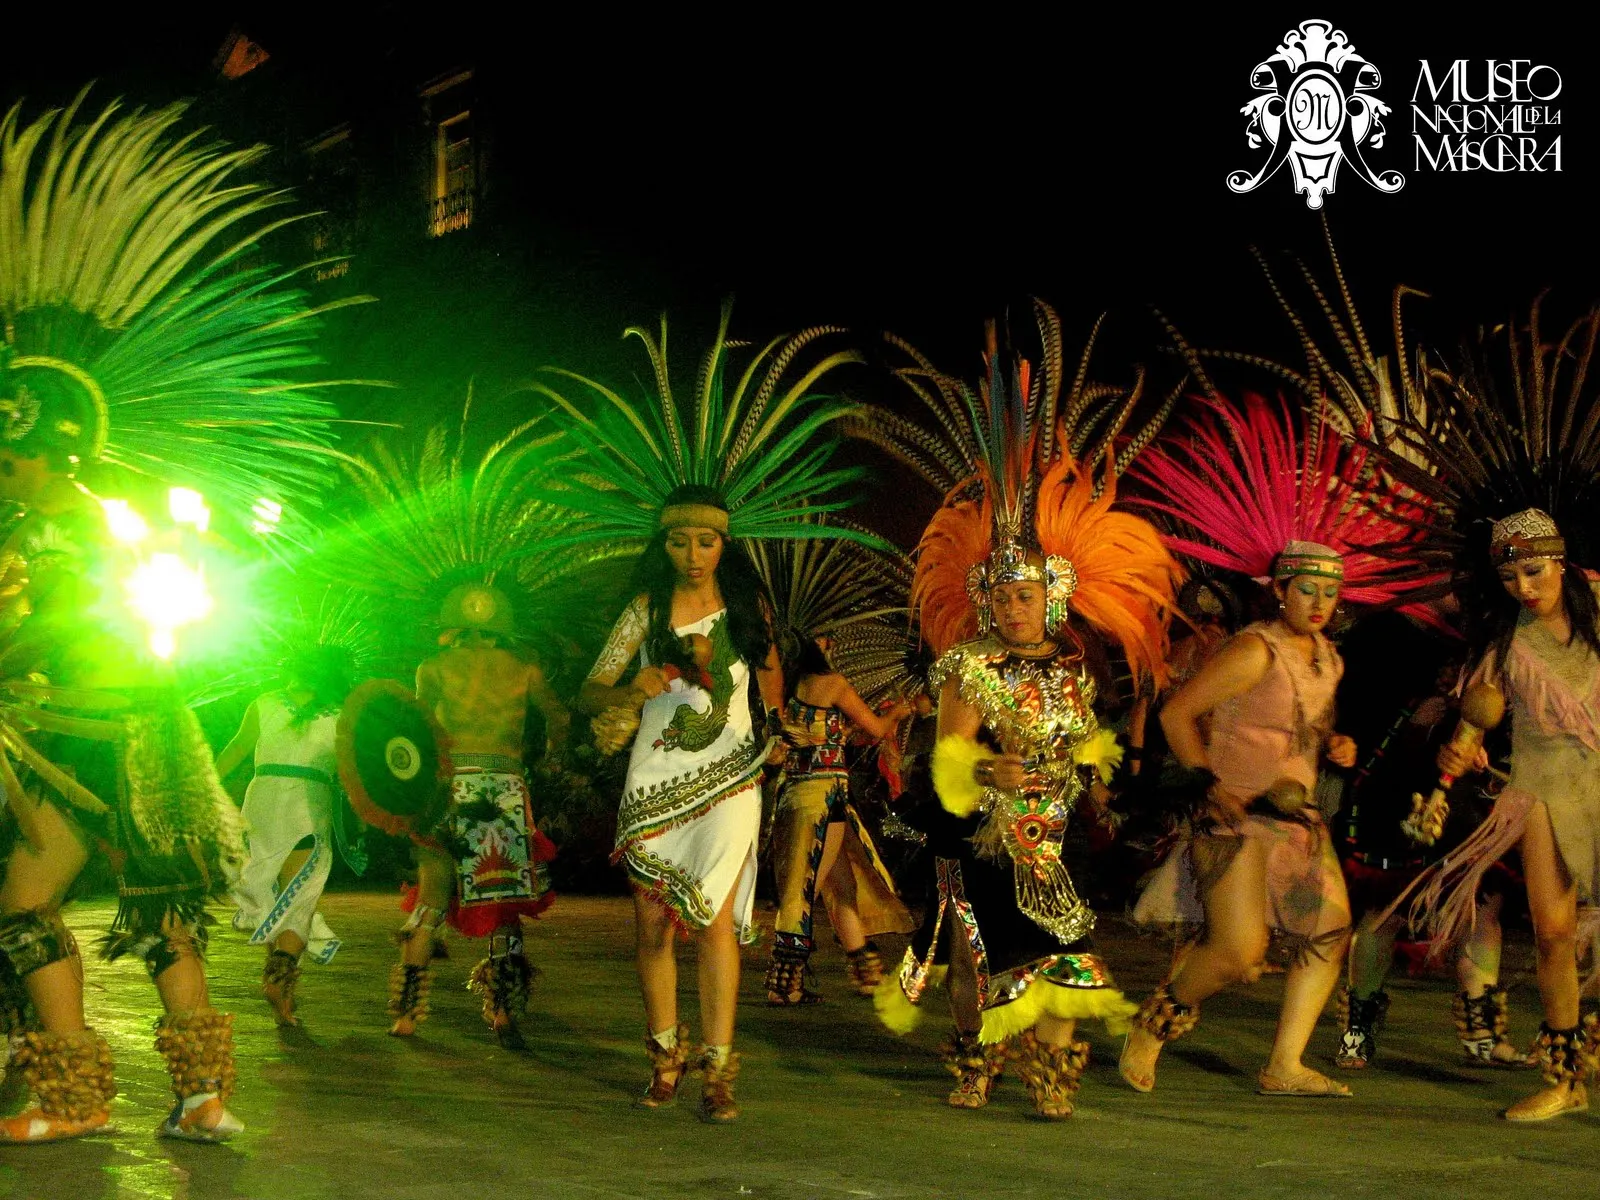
(916, 173)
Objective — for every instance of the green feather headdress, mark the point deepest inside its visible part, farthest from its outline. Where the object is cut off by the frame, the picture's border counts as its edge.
(756, 438)
(141, 327)
(432, 519)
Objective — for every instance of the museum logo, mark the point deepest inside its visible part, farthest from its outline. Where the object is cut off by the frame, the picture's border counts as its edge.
(1317, 110)
(1494, 115)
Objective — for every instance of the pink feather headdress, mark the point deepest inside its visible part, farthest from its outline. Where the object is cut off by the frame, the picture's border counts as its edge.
(1249, 478)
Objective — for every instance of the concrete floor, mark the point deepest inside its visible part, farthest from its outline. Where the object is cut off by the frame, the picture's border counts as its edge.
(833, 1106)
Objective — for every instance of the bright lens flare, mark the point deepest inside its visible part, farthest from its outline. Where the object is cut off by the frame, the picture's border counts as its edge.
(188, 507)
(167, 594)
(268, 514)
(127, 526)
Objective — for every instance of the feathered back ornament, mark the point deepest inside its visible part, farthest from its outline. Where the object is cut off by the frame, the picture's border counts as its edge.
(141, 327)
(1028, 507)
(1516, 427)
(1127, 580)
(434, 520)
(1248, 478)
(1366, 388)
(855, 595)
(757, 439)
(330, 628)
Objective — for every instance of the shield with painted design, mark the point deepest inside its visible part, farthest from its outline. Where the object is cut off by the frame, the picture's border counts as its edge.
(392, 759)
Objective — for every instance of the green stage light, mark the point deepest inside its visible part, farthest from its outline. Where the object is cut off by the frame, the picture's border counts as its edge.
(188, 507)
(126, 525)
(167, 594)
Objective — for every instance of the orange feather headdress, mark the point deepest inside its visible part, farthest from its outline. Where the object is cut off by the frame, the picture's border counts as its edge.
(1030, 502)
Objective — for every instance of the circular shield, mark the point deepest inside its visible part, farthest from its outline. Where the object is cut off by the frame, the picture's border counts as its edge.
(392, 759)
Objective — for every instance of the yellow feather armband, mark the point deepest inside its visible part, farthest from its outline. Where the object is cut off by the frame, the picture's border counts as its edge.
(954, 759)
(1102, 752)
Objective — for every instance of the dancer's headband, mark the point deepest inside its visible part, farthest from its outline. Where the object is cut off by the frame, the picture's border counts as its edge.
(1530, 533)
(1308, 558)
(694, 516)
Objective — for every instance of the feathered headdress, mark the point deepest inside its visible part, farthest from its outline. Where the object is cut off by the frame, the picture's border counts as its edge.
(755, 440)
(1250, 478)
(332, 627)
(441, 537)
(140, 326)
(1367, 392)
(1033, 479)
(1516, 427)
(853, 594)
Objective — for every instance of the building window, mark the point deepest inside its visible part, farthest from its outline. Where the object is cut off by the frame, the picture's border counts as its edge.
(456, 166)
(332, 188)
(455, 174)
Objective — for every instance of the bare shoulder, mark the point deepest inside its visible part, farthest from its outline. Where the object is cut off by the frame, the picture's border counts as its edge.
(833, 688)
(1246, 648)
(823, 691)
(1237, 666)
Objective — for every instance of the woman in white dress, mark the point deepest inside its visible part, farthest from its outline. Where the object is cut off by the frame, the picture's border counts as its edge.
(289, 812)
(704, 701)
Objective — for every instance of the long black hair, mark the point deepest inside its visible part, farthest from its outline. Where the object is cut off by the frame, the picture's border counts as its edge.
(327, 672)
(806, 658)
(742, 590)
(1582, 611)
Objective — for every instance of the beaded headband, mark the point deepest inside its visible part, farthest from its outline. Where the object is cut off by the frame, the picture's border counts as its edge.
(1530, 533)
(1308, 558)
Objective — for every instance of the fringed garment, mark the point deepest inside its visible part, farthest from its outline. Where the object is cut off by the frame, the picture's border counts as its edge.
(1000, 881)
(1554, 692)
(1271, 734)
(172, 835)
(290, 802)
(690, 817)
(816, 794)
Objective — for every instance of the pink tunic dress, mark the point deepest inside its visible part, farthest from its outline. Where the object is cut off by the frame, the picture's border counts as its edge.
(1272, 733)
(1554, 692)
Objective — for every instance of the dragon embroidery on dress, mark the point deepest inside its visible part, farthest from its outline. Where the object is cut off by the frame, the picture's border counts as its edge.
(691, 729)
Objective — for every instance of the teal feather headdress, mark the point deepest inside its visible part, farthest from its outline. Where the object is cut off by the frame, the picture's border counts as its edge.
(758, 440)
(141, 326)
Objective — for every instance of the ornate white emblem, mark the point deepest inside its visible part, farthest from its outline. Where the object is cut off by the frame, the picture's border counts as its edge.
(1316, 109)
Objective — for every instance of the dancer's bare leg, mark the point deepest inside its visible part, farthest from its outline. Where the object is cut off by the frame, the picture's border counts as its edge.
(718, 969)
(1553, 903)
(962, 985)
(838, 887)
(657, 962)
(41, 869)
(1372, 954)
(1053, 1031)
(289, 941)
(1233, 949)
(1306, 989)
(436, 880)
(1478, 961)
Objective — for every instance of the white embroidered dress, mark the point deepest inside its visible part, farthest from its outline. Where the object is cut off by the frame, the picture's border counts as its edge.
(291, 798)
(691, 807)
